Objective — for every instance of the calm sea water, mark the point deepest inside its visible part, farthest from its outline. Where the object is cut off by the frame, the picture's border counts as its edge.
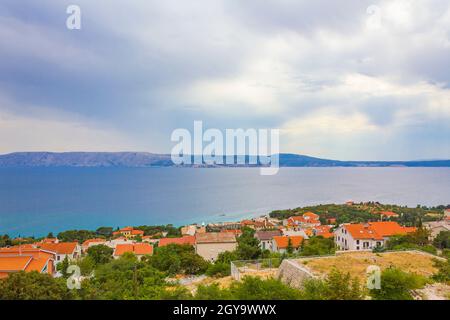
(35, 201)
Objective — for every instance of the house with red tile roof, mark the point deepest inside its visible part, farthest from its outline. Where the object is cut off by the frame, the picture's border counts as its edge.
(71, 250)
(306, 220)
(367, 236)
(139, 249)
(189, 240)
(29, 259)
(280, 244)
(91, 242)
(323, 231)
(128, 232)
(265, 238)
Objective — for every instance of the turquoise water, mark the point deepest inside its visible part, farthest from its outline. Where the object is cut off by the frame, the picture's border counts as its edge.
(35, 201)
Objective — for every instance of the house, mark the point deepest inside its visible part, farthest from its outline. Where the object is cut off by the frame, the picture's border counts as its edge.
(192, 229)
(32, 259)
(367, 236)
(257, 224)
(209, 245)
(435, 227)
(280, 244)
(305, 233)
(139, 249)
(331, 220)
(91, 242)
(388, 214)
(306, 220)
(128, 232)
(189, 240)
(50, 240)
(71, 250)
(324, 231)
(150, 239)
(265, 238)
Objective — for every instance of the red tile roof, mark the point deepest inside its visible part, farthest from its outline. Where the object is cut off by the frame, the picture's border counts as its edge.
(136, 248)
(388, 214)
(283, 241)
(183, 240)
(377, 230)
(60, 247)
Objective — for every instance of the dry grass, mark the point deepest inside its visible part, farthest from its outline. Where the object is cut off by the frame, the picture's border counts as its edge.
(357, 262)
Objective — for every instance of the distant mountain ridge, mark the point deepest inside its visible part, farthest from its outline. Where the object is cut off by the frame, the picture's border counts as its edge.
(146, 159)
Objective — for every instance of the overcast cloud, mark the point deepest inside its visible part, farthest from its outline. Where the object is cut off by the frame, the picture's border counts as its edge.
(364, 80)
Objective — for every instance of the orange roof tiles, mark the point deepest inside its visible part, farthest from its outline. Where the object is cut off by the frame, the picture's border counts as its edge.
(14, 263)
(60, 247)
(95, 240)
(136, 248)
(283, 241)
(183, 240)
(377, 230)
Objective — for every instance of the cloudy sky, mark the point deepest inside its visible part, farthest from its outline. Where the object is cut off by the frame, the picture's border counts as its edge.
(360, 80)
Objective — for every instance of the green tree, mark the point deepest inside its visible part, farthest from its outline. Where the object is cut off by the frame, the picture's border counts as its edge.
(397, 285)
(336, 286)
(443, 274)
(100, 254)
(442, 240)
(289, 248)
(318, 246)
(248, 246)
(174, 259)
(62, 267)
(33, 286)
(105, 231)
(255, 288)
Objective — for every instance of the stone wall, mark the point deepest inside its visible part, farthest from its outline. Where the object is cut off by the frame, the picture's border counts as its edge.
(293, 274)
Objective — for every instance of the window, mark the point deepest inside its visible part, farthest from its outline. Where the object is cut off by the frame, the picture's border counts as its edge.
(357, 248)
(357, 241)
(365, 244)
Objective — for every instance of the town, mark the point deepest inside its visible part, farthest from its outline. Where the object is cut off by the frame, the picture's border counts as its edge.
(197, 256)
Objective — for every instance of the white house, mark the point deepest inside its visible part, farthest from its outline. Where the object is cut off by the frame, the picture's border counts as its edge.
(265, 238)
(367, 236)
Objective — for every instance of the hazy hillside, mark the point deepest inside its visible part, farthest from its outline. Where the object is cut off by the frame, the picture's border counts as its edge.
(145, 159)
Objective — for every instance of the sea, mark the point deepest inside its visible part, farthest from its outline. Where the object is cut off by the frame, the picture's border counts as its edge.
(36, 201)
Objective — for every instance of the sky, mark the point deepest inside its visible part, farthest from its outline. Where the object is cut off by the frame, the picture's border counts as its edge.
(353, 80)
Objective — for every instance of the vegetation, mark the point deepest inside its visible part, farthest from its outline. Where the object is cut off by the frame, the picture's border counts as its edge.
(318, 246)
(33, 286)
(175, 259)
(76, 235)
(337, 286)
(363, 212)
(417, 240)
(100, 254)
(442, 240)
(158, 230)
(397, 285)
(443, 274)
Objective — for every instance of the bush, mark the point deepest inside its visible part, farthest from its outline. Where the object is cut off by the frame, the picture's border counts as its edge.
(337, 286)
(397, 285)
(33, 286)
(174, 259)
